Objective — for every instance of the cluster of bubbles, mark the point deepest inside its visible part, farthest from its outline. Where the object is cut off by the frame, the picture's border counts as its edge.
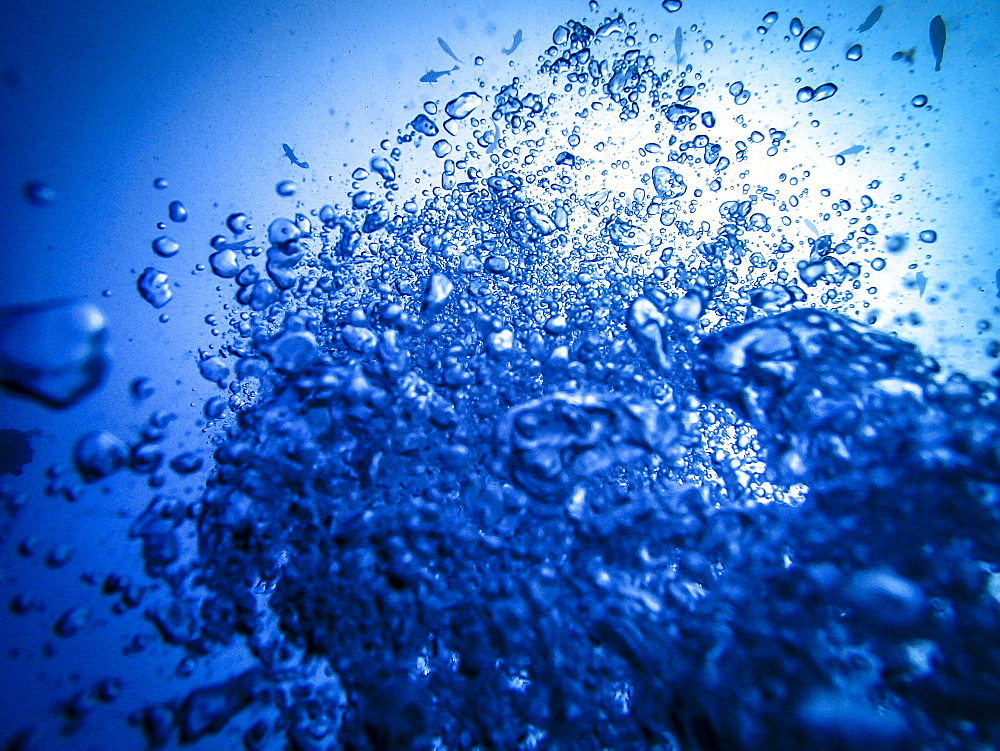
(516, 462)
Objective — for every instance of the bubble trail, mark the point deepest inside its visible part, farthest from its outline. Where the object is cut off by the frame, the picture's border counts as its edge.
(570, 440)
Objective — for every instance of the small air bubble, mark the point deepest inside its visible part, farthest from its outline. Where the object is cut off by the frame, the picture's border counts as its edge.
(154, 286)
(811, 39)
(285, 188)
(463, 105)
(38, 193)
(919, 100)
(896, 243)
(928, 236)
(854, 53)
(165, 246)
(825, 91)
(237, 223)
(177, 212)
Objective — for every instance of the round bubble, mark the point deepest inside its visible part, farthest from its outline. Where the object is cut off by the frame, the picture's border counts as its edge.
(165, 246)
(237, 223)
(177, 211)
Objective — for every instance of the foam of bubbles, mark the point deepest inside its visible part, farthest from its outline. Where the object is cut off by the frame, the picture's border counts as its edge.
(574, 445)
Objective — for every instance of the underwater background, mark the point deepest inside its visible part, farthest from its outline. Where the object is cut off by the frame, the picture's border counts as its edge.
(499, 375)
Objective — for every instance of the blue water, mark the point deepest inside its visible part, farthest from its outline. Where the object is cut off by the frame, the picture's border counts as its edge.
(569, 377)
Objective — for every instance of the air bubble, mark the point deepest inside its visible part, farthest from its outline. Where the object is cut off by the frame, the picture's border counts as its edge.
(383, 168)
(283, 231)
(38, 193)
(99, 454)
(422, 124)
(825, 91)
(224, 264)
(177, 212)
(854, 53)
(928, 236)
(154, 286)
(53, 352)
(920, 100)
(811, 39)
(165, 246)
(285, 188)
(667, 183)
(463, 105)
(237, 223)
